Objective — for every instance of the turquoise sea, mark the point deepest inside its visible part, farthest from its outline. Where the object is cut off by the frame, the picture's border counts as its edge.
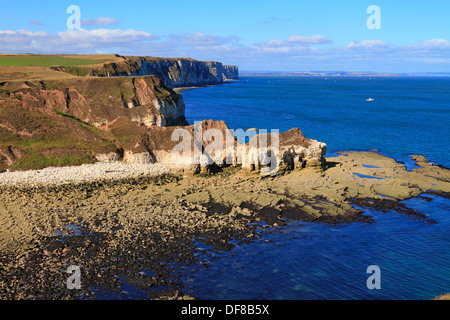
(315, 261)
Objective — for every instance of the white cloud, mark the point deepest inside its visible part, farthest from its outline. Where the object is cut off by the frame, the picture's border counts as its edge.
(315, 39)
(100, 21)
(295, 47)
(272, 44)
(367, 44)
(437, 43)
(102, 36)
(297, 51)
(22, 33)
(294, 41)
(200, 39)
(71, 41)
(36, 22)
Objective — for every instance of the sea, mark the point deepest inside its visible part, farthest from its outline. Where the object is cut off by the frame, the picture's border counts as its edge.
(313, 261)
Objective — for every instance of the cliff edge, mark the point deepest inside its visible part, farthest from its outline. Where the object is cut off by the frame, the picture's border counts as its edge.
(174, 72)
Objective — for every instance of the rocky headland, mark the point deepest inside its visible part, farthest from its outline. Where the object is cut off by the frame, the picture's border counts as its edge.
(103, 192)
(174, 72)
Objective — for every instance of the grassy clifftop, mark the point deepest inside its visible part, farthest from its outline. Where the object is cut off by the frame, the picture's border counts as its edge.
(24, 67)
(50, 60)
(35, 138)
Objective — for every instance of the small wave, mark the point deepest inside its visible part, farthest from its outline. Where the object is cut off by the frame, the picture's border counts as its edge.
(288, 116)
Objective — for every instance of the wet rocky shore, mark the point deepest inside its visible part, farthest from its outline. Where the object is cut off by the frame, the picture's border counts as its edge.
(140, 230)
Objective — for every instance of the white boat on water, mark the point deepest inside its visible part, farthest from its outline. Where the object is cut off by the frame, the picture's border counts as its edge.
(370, 99)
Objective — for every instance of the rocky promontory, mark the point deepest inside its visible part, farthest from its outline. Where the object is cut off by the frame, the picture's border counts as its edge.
(132, 119)
(174, 72)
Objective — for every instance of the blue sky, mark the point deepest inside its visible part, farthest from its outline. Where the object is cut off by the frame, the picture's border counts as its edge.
(255, 35)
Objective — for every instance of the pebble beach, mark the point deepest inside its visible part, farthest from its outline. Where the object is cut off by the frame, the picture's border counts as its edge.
(78, 174)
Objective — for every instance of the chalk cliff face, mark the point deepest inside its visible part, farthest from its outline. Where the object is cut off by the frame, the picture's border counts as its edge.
(98, 101)
(182, 72)
(230, 73)
(211, 144)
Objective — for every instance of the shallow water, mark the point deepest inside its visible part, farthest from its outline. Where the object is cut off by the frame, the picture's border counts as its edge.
(316, 261)
(365, 176)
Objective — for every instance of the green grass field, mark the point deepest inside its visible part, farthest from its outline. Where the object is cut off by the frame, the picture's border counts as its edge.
(45, 60)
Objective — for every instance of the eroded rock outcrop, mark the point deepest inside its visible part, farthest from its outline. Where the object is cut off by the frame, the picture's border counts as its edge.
(209, 145)
(230, 73)
(98, 101)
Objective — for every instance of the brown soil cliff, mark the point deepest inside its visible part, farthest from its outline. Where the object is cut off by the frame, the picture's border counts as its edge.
(56, 122)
